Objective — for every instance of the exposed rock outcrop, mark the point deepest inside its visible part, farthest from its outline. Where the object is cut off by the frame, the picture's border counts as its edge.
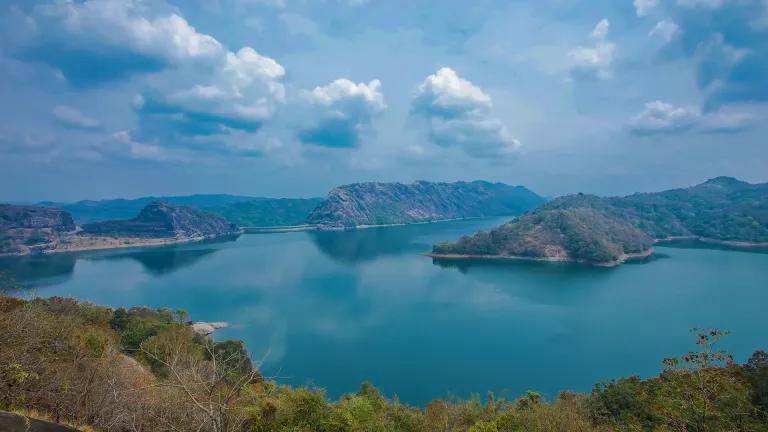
(27, 228)
(364, 204)
(164, 220)
(34, 217)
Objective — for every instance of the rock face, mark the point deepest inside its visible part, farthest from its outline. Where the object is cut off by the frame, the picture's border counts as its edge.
(362, 204)
(599, 230)
(34, 217)
(164, 220)
(25, 228)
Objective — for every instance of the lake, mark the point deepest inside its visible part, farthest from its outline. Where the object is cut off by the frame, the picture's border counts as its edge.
(334, 309)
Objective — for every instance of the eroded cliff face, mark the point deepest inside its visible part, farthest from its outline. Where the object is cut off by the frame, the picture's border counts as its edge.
(34, 217)
(26, 228)
(164, 220)
(362, 204)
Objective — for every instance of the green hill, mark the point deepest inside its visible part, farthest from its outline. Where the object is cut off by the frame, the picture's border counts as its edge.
(588, 228)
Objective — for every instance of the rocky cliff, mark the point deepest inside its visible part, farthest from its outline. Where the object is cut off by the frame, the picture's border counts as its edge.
(26, 228)
(34, 217)
(362, 204)
(164, 220)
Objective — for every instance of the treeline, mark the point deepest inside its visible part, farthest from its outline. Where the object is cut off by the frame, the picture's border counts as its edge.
(145, 370)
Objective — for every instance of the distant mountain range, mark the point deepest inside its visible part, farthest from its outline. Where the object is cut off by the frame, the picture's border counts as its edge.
(110, 209)
(348, 206)
(367, 204)
(607, 231)
(153, 221)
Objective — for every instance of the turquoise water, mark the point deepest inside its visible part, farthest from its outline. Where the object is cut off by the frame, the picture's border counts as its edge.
(335, 309)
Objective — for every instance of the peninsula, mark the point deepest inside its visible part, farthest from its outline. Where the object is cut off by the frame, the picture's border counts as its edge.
(36, 229)
(608, 231)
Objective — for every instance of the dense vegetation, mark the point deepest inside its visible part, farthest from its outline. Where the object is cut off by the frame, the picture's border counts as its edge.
(595, 229)
(360, 204)
(267, 211)
(145, 370)
(579, 233)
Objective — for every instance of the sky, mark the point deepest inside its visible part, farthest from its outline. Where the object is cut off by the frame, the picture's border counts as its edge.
(125, 98)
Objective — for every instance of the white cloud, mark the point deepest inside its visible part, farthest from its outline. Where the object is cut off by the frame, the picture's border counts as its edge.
(195, 80)
(458, 113)
(72, 117)
(659, 117)
(129, 24)
(341, 112)
(666, 30)
(595, 59)
(246, 86)
(345, 90)
(644, 7)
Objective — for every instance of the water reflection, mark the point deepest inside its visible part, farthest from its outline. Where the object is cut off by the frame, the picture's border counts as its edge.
(158, 262)
(40, 270)
(356, 246)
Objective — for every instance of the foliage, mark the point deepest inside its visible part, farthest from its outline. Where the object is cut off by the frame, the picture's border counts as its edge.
(69, 362)
(596, 229)
(267, 211)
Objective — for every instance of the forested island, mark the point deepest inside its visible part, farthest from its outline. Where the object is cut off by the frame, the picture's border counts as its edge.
(141, 369)
(608, 231)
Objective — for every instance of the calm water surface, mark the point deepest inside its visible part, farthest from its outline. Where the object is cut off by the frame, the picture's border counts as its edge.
(335, 309)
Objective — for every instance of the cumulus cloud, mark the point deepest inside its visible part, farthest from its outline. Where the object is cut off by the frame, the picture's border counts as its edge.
(72, 117)
(659, 117)
(665, 29)
(341, 112)
(241, 93)
(197, 86)
(596, 59)
(458, 113)
(644, 7)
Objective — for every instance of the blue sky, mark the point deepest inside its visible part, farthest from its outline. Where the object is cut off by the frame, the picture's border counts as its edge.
(109, 98)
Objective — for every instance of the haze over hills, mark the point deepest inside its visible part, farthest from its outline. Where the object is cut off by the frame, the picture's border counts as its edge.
(366, 204)
(588, 228)
(98, 210)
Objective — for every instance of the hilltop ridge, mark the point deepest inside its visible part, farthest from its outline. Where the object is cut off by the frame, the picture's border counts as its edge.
(373, 203)
(609, 230)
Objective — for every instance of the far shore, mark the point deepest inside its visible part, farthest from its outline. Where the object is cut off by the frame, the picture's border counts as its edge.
(83, 243)
(732, 243)
(563, 259)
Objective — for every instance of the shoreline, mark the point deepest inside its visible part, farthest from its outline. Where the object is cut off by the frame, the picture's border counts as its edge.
(352, 228)
(731, 243)
(98, 243)
(622, 259)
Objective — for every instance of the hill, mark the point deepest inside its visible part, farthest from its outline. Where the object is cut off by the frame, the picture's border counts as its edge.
(165, 220)
(366, 204)
(597, 230)
(100, 210)
(267, 212)
(25, 228)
